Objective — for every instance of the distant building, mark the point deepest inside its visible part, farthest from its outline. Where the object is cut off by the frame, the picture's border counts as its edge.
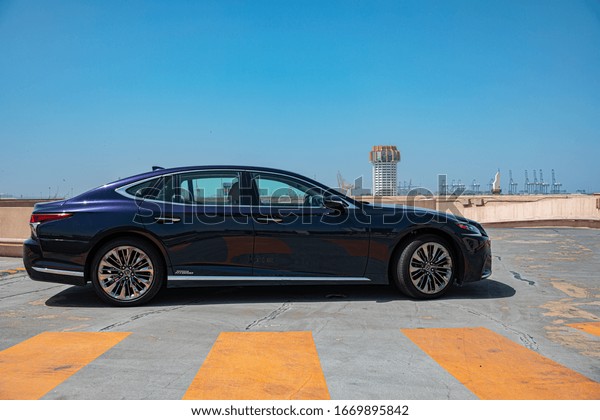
(385, 178)
(358, 189)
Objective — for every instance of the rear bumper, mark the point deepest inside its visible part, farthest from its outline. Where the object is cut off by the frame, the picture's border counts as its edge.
(47, 270)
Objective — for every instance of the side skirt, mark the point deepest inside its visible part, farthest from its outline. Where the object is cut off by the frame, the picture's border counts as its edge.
(260, 281)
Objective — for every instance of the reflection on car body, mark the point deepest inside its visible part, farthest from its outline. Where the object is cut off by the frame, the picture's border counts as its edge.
(245, 226)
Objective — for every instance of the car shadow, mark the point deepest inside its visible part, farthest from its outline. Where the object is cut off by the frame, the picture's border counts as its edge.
(85, 297)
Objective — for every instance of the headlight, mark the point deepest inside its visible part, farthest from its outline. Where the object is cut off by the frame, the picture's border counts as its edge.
(468, 227)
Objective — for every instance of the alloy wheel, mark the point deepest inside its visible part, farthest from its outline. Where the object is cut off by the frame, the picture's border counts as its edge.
(125, 273)
(430, 268)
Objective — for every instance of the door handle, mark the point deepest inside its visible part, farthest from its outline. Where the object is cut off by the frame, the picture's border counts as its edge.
(167, 219)
(269, 219)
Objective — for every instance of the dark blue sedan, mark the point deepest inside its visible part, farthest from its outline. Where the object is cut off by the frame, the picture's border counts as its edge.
(237, 225)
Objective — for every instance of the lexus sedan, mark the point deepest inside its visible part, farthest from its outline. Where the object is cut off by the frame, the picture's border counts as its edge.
(239, 225)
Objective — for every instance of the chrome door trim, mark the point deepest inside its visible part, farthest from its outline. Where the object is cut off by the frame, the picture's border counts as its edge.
(267, 278)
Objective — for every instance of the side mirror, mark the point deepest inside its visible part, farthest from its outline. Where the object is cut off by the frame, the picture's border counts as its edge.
(336, 204)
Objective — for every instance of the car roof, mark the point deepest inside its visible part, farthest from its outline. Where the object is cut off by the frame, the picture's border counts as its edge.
(110, 187)
(167, 171)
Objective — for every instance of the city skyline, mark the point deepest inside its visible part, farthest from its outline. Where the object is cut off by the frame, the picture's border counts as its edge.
(95, 91)
(541, 185)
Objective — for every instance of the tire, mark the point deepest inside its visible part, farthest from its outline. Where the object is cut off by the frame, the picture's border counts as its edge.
(425, 269)
(127, 272)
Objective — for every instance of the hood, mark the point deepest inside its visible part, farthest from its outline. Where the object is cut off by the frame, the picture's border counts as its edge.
(389, 208)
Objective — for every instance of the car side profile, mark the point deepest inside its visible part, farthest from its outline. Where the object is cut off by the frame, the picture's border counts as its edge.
(242, 225)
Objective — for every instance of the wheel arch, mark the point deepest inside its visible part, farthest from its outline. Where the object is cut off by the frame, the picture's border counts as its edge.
(420, 231)
(110, 236)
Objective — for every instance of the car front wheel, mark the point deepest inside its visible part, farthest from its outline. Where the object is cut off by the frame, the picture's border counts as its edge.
(127, 272)
(425, 268)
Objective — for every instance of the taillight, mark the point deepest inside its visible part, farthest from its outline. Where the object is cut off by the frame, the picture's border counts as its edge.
(48, 217)
(38, 218)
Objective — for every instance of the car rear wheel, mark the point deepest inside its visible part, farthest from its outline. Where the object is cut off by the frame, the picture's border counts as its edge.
(127, 272)
(425, 268)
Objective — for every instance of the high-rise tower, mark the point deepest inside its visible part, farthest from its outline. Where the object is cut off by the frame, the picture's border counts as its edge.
(385, 161)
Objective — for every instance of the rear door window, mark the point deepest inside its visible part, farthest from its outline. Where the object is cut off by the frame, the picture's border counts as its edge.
(207, 188)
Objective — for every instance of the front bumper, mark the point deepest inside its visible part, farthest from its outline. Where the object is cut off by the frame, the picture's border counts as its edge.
(477, 263)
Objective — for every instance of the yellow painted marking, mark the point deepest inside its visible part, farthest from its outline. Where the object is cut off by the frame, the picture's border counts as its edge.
(494, 367)
(35, 366)
(259, 366)
(11, 271)
(589, 327)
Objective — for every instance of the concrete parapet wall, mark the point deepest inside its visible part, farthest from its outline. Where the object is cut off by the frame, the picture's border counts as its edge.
(14, 226)
(536, 208)
(530, 210)
(502, 209)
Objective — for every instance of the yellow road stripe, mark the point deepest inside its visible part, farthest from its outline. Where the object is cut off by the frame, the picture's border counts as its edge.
(589, 327)
(35, 366)
(494, 367)
(260, 365)
(12, 270)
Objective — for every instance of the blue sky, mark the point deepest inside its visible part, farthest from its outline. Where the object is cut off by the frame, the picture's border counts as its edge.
(91, 91)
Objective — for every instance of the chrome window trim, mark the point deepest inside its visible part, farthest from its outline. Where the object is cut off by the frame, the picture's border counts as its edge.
(123, 190)
(59, 272)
